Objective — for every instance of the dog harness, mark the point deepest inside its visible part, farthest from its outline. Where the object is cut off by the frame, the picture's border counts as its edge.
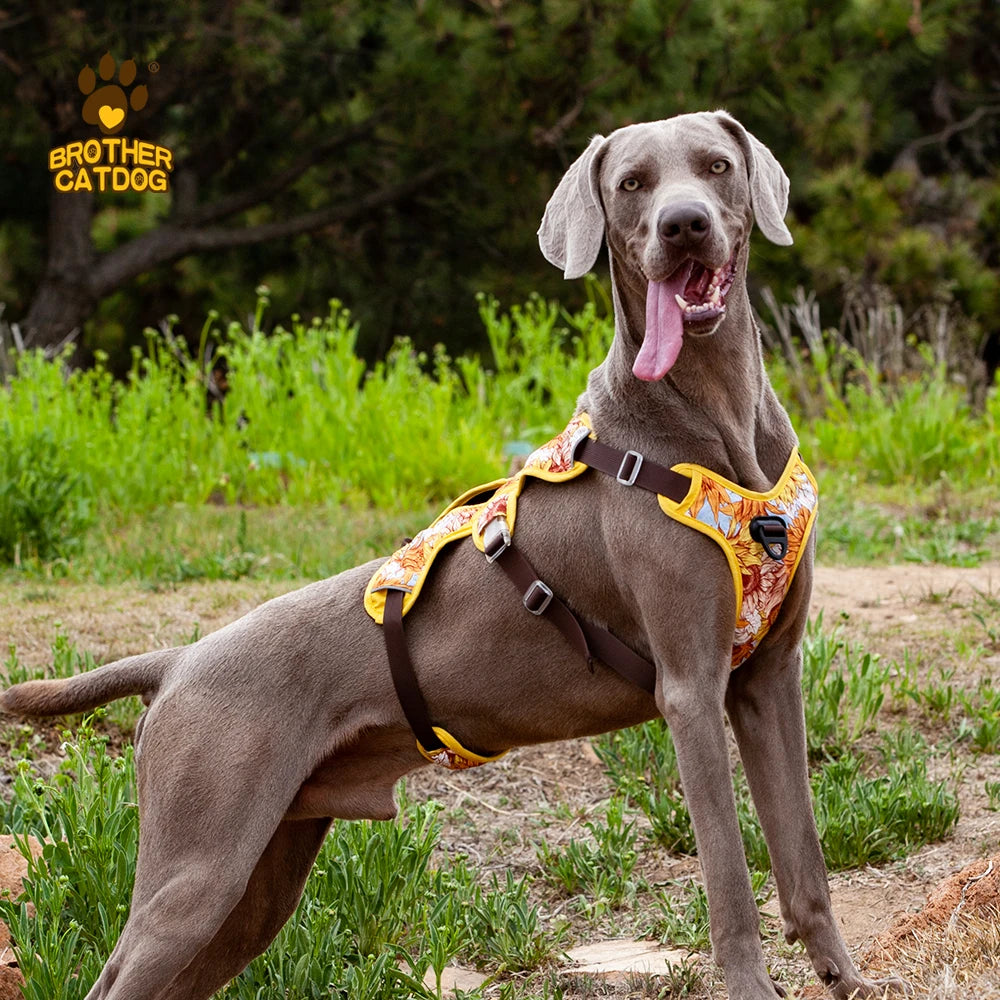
(763, 536)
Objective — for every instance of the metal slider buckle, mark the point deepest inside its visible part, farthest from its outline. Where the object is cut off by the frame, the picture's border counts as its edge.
(496, 539)
(537, 597)
(628, 478)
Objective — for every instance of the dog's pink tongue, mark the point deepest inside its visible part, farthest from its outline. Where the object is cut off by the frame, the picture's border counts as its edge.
(664, 328)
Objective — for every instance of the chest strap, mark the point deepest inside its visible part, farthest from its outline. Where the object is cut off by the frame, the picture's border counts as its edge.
(588, 639)
(631, 469)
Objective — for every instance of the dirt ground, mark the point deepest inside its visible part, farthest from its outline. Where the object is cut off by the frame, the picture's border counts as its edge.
(935, 616)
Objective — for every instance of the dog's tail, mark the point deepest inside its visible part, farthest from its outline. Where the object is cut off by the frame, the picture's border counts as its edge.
(140, 675)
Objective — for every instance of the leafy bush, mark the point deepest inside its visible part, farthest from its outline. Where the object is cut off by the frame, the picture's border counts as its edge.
(43, 509)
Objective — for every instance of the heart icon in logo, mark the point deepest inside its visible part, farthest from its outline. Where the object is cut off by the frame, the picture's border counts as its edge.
(110, 117)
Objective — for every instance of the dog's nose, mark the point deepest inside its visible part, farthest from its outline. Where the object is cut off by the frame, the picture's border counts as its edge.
(684, 224)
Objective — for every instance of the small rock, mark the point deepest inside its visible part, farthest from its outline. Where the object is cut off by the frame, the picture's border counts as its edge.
(452, 979)
(616, 959)
(13, 868)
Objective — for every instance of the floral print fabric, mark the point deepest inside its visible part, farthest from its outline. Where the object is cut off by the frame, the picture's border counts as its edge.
(406, 569)
(723, 511)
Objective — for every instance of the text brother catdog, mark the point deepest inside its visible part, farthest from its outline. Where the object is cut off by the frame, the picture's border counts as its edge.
(111, 164)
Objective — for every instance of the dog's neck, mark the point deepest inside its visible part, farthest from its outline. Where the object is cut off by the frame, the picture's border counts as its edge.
(715, 406)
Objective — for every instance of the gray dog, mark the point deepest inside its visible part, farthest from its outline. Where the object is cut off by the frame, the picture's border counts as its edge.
(260, 733)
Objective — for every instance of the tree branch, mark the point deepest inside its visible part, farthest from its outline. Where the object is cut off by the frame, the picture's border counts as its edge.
(170, 242)
(907, 154)
(242, 200)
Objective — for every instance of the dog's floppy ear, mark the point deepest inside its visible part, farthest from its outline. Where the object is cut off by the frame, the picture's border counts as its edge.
(768, 182)
(572, 228)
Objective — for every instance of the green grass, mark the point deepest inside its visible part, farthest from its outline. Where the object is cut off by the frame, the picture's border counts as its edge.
(597, 870)
(376, 915)
(145, 478)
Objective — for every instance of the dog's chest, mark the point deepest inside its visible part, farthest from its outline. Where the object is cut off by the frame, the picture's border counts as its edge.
(711, 505)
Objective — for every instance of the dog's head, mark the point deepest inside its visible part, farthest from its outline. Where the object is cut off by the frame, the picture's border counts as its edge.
(676, 200)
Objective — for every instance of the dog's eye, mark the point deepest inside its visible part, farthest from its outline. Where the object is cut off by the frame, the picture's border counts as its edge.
(719, 166)
(630, 184)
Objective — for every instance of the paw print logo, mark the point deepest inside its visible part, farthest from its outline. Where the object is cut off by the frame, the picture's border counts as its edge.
(108, 106)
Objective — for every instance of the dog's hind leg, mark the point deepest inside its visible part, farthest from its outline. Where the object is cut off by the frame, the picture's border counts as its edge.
(207, 817)
(271, 896)
(764, 702)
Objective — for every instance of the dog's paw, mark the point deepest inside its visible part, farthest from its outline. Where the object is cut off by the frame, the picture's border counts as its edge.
(856, 987)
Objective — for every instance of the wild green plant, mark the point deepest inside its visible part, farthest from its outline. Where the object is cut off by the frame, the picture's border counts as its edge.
(681, 979)
(843, 689)
(642, 763)
(987, 613)
(992, 789)
(44, 509)
(87, 819)
(936, 697)
(506, 932)
(981, 724)
(682, 921)
(870, 819)
(599, 869)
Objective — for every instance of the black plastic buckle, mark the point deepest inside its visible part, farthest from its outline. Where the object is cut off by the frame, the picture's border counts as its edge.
(772, 534)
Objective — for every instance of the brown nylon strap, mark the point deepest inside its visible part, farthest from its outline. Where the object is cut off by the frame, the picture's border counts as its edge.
(622, 465)
(587, 638)
(513, 562)
(403, 676)
(621, 658)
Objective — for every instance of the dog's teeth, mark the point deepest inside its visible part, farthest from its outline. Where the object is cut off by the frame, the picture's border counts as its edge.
(682, 302)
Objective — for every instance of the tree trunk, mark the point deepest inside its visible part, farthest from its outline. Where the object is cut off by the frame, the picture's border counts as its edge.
(65, 297)
(76, 279)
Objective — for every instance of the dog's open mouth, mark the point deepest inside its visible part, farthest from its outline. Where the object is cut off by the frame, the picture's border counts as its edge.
(693, 294)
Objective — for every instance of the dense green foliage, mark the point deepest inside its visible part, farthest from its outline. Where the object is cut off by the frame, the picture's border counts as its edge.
(304, 422)
(884, 115)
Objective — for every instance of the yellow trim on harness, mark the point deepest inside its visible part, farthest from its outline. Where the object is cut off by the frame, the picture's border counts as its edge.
(409, 566)
(453, 755)
(722, 510)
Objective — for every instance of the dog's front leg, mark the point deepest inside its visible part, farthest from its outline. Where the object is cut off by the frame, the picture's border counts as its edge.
(764, 702)
(693, 708)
